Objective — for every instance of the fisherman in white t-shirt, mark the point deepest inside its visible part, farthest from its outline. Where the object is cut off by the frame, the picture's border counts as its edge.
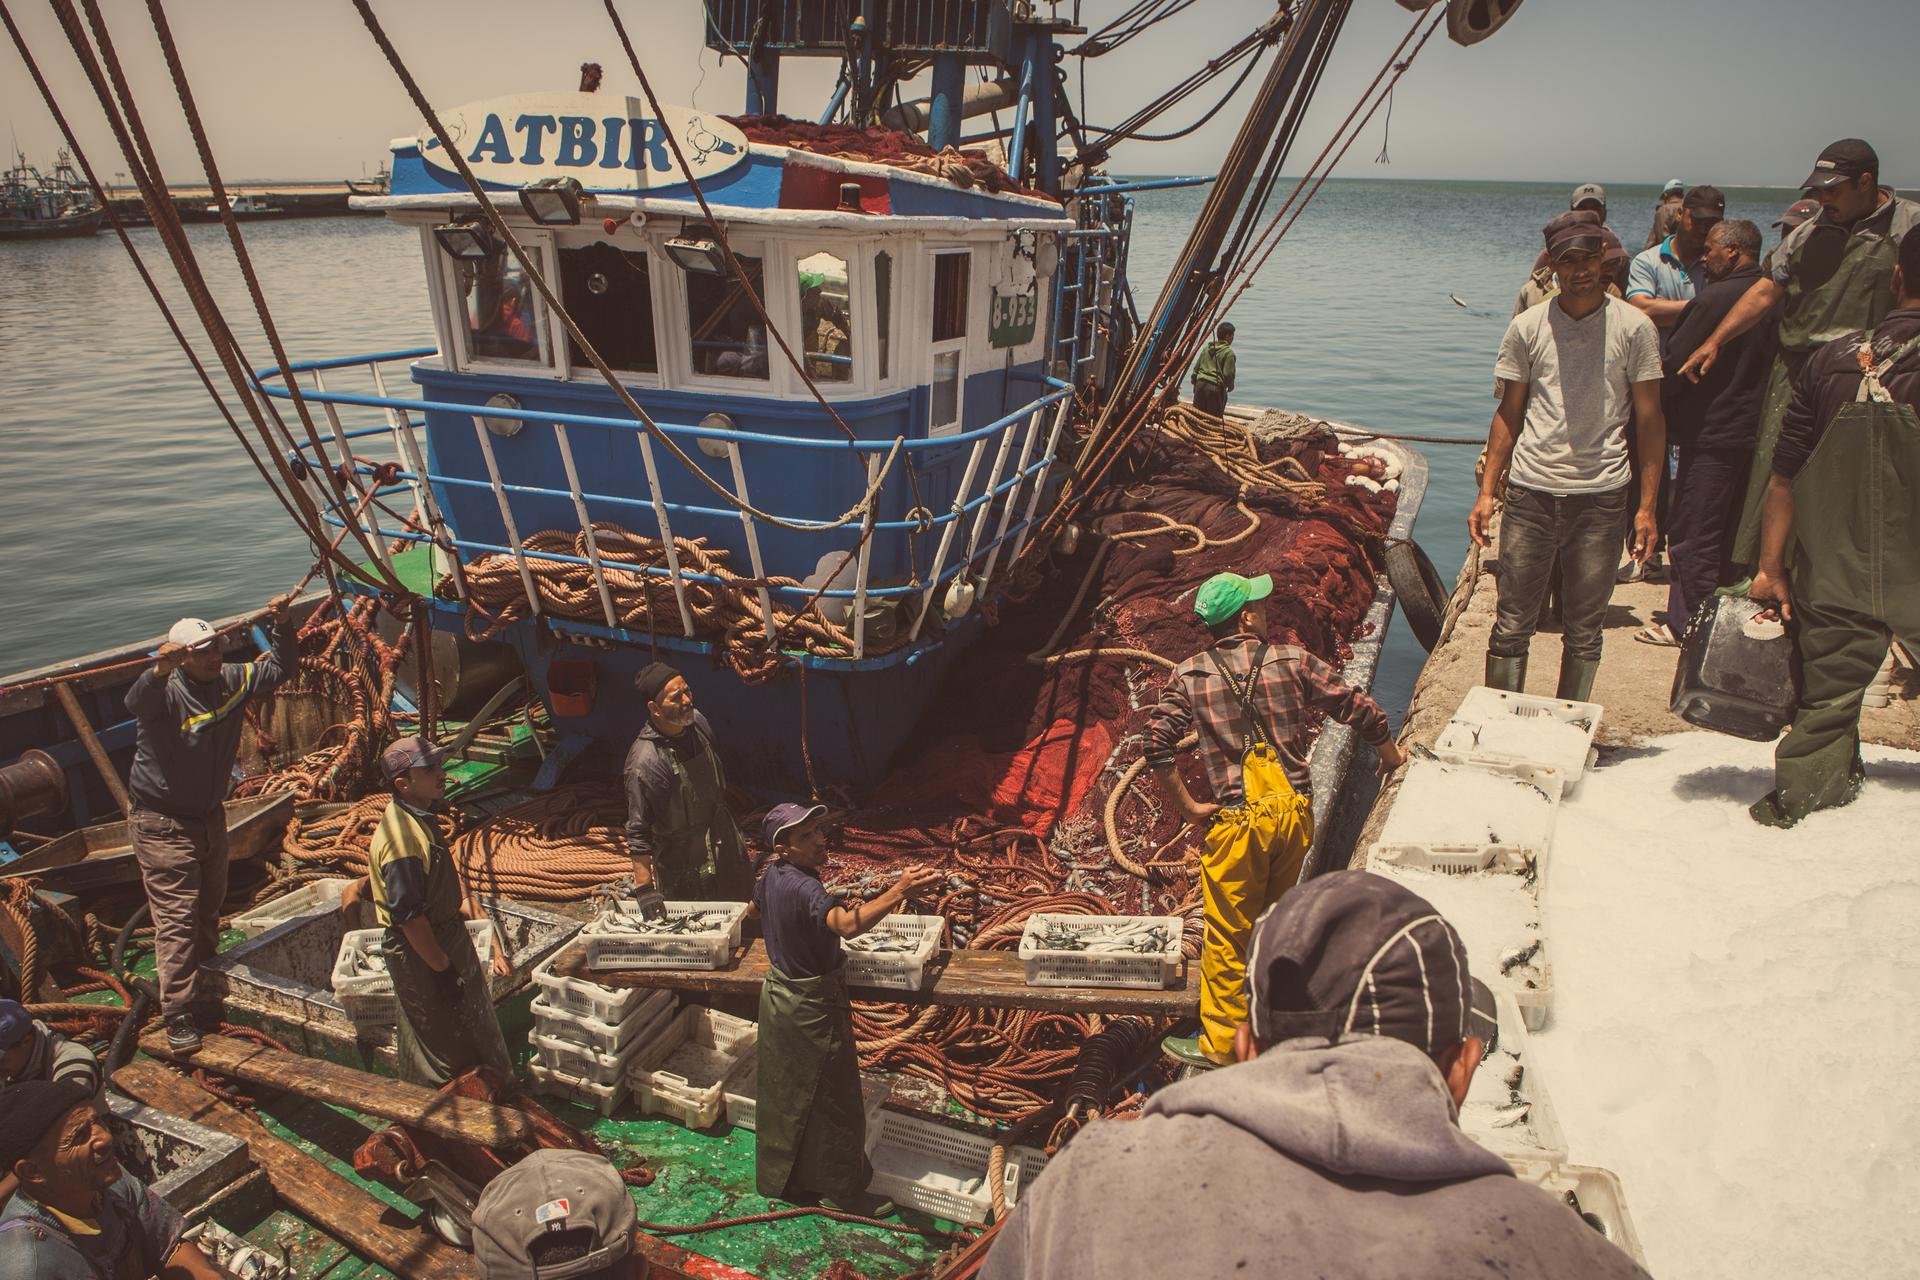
(1577, 368)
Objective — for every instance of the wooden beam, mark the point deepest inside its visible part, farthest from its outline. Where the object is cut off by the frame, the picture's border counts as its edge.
(83, 729)
(469, 1120)
(316, 1192)
(966, 978)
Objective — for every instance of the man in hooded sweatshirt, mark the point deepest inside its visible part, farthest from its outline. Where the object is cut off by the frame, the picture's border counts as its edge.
(1332, 1149)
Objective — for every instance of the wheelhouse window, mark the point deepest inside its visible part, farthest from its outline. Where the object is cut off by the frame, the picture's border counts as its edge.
(950, 280)
(952, 303)
(728, 338)
(883, 310)
(607, 293)
(501, 313)
(826, 317)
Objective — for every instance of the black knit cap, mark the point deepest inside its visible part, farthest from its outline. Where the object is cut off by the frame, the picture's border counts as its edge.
(652, 678)
(29, 1109)
(1351, 954)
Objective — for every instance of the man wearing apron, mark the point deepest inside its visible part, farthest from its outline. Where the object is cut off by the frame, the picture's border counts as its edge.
(810, 1131)
(680, 832)
(1845, 493)
(1831, 276)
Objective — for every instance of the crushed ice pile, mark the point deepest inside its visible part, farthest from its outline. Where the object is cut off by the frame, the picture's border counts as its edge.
(1453, 804)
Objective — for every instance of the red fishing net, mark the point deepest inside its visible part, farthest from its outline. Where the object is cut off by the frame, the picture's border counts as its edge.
(881, 146)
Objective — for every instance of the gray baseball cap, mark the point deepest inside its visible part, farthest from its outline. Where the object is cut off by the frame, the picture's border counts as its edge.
(552, 1192)
(1588, 191)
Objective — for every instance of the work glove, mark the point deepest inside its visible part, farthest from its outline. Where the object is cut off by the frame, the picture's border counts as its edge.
(645, 901)
(453, 985)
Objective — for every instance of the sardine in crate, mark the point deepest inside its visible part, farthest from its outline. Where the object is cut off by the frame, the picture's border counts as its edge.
(1046, 967)
(610, 945)
(895, 970)
(642, 1022)
(941, 1170)
(1593, 1193)
(1494, 725)
(1514, 1120)
(683, 1072)
(1411, 846)
(368, 997)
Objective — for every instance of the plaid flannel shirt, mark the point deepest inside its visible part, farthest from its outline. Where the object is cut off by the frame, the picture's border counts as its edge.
(1291, 686)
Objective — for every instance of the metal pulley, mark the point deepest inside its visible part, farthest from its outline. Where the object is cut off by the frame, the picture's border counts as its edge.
(1471, 21)
(33, 784)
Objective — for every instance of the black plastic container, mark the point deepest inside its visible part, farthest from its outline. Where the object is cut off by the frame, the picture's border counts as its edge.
(1736, 672)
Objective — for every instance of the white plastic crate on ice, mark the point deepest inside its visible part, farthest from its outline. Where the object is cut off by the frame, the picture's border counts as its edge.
(1508, 1110)
(1498, 725)
(1411, 828)
(642, 1020)
(941, 1170)
(604, 1098)
(743, 1100)
(307, 900)
(368, 996)
(895, 970)
(1596, 1195)
(1500, 919)
(1047, 967)
(589, 999)
(612, 946)
(683, 1071)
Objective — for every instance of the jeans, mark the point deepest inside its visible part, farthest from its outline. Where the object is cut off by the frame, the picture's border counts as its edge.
(1584, 531)
(1700, 527)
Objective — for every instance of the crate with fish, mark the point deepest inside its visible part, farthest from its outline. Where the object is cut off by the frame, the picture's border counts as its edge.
(361, 980)
(1508, 1110)
(604, 1098)
(645, 1020)
(692, 935)
(1102, 951)
(1499, 919)
(587, 999)
(894, 953)
(1461, 817)
(743, 1099)
(1593, 1193)
(683, 1072)
(1500, 726)
(942, 1170)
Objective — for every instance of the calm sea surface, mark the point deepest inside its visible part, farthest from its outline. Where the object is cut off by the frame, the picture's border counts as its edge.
(125, 502)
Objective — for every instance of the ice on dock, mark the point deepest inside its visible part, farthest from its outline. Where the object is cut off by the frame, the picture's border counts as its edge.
(1456, 804)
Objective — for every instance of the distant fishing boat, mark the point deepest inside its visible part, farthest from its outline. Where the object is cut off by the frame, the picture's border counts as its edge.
(36, 205)
(371, 186)
(247, 207)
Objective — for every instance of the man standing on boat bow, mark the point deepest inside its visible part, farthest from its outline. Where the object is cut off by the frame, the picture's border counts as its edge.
(1249, 703)
(190, 707)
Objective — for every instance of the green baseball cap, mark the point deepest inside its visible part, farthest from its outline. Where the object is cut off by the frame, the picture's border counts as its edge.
(1225, 594)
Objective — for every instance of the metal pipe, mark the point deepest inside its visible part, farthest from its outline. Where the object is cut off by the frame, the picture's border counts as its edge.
(946, 535)
(1017, 149)
(586, 525)
(1040, 482)
(753, 542)
(977, 99)
(666, 535)
(409, 446)
(1148, 184)
(379, 541)
(91, 741)
(866, 560)
(506, 513)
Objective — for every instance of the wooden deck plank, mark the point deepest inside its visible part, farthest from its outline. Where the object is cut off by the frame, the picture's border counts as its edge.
(317, 1193)
(980, 979)
(460, 1119)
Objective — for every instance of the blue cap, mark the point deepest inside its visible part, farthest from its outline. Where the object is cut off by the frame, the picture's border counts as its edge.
(783, 818)
(15, 1023)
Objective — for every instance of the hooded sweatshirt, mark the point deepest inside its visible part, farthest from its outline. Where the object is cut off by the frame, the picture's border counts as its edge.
(1338, 1162)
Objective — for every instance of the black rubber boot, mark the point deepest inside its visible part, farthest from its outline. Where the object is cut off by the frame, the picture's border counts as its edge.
(1576, 678)
(1507, 673)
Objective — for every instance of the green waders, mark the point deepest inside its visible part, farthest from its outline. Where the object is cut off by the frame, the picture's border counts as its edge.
(1856, 584)
(697, 853)
(435, 1040)
(810, 1124)
(1856, 296)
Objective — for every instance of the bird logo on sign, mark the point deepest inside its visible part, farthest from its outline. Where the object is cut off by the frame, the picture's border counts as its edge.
(706, 142)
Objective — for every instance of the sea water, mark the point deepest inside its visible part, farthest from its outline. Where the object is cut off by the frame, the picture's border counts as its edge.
(125, 503)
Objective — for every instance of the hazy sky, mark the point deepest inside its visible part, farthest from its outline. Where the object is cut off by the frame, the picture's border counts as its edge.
(1739, 92)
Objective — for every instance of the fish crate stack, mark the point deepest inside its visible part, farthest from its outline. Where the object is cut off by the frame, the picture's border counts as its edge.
(1102, 951)
(1501, 727)
(692, 935)
(1474, 838)
(941, 1169)
(363, 985)
(895, 953)
(586, 1034)
(684, 1072)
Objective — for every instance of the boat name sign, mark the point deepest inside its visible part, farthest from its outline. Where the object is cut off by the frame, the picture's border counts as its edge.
(606, 142)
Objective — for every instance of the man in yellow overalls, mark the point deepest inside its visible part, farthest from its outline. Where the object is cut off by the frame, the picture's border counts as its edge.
(1844, 504)
(1249, 704)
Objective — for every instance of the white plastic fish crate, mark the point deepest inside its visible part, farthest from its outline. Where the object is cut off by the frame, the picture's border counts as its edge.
(695, 1095)
(1508, 1110)
(1596, 1195)
(1457, 859)
(1420, 841)
(895, 970)
(941, 1170)
(610, 946)
(368, 997)
(1500, 919)
(1494, 725)
(580, 1062)
(308, 900)
(1050, 968)
(743, 1105)
(604, 1098)
(643, 1021)
(588, 999)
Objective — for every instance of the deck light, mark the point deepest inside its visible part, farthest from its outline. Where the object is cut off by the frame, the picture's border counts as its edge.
(716, 422)
(552, 202)
(506, 428)
(697, 251)
(467, 240)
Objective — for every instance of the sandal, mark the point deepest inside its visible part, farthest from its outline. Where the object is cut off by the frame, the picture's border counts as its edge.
(1657, 633)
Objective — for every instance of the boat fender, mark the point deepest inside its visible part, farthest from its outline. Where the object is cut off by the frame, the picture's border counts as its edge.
(958, 601)
(1423, 596)
(1069, 539)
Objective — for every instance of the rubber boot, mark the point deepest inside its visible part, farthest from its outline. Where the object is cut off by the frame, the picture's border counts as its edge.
(1576, 678)
(1507, 673)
